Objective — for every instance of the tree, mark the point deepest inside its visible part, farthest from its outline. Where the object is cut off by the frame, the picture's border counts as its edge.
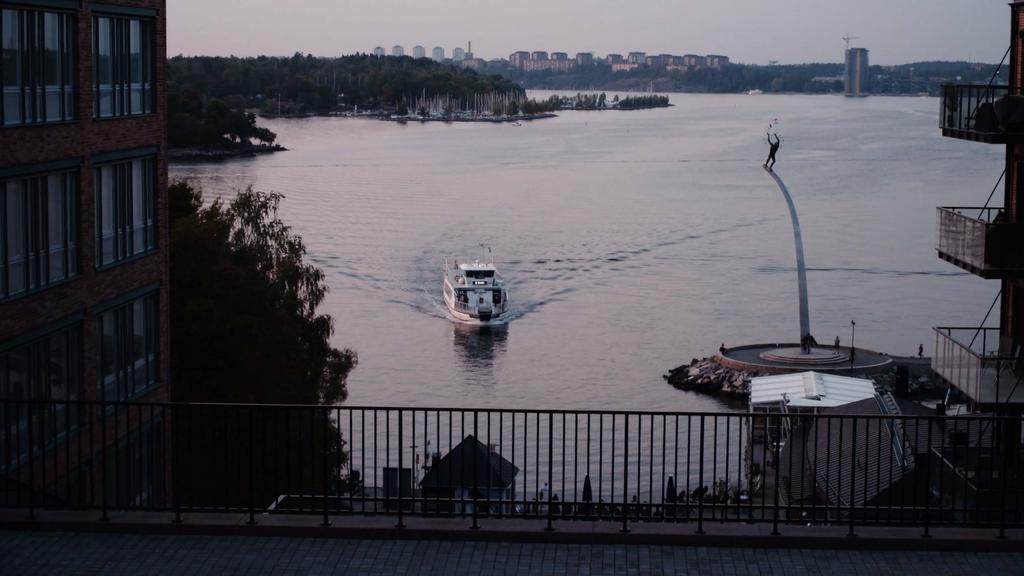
(245, 329)
(239, 270)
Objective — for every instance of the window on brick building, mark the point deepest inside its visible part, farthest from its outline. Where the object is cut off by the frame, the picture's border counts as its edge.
(125, 210)
(37, 232)
(122, 66)
(37, 66)
(128, 337)
(46, 368)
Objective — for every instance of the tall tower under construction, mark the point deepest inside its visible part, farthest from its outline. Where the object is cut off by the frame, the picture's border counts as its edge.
(857, 79)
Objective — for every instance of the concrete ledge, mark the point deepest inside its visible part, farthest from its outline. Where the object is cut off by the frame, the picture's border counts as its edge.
(747, 358)
(732, 535)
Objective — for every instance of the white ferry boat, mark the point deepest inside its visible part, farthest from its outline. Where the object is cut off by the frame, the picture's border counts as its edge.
(475, 292)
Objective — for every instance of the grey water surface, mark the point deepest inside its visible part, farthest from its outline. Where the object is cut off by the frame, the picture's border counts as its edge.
(632, 241)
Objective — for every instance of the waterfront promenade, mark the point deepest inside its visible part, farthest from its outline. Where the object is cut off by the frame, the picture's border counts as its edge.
(74, 554)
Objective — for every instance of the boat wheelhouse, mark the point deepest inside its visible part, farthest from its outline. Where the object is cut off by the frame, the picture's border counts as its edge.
(475, 292)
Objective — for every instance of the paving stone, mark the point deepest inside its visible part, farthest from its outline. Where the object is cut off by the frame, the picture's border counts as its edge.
(75, 554)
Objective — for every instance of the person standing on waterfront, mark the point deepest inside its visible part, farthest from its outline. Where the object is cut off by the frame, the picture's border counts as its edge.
(836, 346)
(771, 152)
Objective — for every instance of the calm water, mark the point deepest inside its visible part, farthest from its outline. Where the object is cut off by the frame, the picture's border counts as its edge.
(632, 242)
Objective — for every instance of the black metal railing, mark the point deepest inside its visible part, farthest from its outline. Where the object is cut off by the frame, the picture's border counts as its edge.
(980, 240)
(487, 464)
(969, 109)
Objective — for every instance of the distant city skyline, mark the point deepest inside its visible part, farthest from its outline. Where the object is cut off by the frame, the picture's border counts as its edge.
(750, 31)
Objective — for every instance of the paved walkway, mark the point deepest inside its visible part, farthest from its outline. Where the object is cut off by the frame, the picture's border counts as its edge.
(42, 553)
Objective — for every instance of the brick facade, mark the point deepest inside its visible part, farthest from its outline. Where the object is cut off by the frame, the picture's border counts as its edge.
(82, 139)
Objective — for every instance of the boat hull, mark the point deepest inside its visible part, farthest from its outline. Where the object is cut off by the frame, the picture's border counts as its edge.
(481, 317)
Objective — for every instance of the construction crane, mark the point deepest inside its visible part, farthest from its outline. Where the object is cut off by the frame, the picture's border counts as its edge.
(848, 38)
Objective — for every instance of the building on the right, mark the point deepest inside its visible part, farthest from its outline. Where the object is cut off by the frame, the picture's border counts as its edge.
(985, 362)
(857, 78)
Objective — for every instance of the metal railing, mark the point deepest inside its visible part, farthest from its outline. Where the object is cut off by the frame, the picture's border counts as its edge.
(979, 239)
(487, 465)
(497, 309)
(965, 108)
(972, 361)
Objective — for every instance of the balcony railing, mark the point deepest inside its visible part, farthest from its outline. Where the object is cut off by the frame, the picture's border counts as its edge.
(980, 241)
(970, 359)
(485, 465)
(968, 112)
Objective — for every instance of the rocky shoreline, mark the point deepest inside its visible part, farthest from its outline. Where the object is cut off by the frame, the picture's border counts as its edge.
(216, 154)
(707, 376)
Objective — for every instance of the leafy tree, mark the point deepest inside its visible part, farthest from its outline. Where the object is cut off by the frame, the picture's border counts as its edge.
(237, 269)
(245, 329)
(213, 125)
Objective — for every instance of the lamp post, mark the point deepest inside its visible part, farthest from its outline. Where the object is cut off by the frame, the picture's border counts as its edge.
(853, 340)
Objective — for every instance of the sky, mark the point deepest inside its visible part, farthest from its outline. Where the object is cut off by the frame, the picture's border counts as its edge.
(748, 31)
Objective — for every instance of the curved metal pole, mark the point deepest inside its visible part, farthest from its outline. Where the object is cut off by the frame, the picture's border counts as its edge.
(801, 268)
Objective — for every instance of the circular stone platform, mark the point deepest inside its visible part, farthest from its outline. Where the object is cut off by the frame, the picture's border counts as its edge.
(786, 358)
(816, 357)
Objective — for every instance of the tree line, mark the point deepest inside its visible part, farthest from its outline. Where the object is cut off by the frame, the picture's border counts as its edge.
(307, 84)
(815, 78)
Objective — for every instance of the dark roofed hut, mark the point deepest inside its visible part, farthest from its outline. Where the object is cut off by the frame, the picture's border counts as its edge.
(470, 472)
(881, 464)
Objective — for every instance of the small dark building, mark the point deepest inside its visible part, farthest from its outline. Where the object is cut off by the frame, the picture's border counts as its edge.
(470, 473)
(898, 461)
(844, 459)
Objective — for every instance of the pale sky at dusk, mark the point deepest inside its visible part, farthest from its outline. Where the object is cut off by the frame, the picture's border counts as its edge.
(750, 31)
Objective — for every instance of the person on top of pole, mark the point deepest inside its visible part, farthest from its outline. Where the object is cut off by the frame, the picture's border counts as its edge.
(772, 151)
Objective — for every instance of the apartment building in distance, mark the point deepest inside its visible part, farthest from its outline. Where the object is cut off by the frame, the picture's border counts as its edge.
(560, 62)
(716, 61)
(83, 240)
(857, 79)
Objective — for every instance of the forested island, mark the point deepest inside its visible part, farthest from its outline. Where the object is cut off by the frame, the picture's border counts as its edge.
(213, 101)
(201, 128)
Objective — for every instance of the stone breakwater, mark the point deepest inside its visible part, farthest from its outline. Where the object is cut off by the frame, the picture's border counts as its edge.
(706, 375)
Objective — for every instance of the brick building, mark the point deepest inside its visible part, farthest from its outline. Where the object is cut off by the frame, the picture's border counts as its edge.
(83, 228)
